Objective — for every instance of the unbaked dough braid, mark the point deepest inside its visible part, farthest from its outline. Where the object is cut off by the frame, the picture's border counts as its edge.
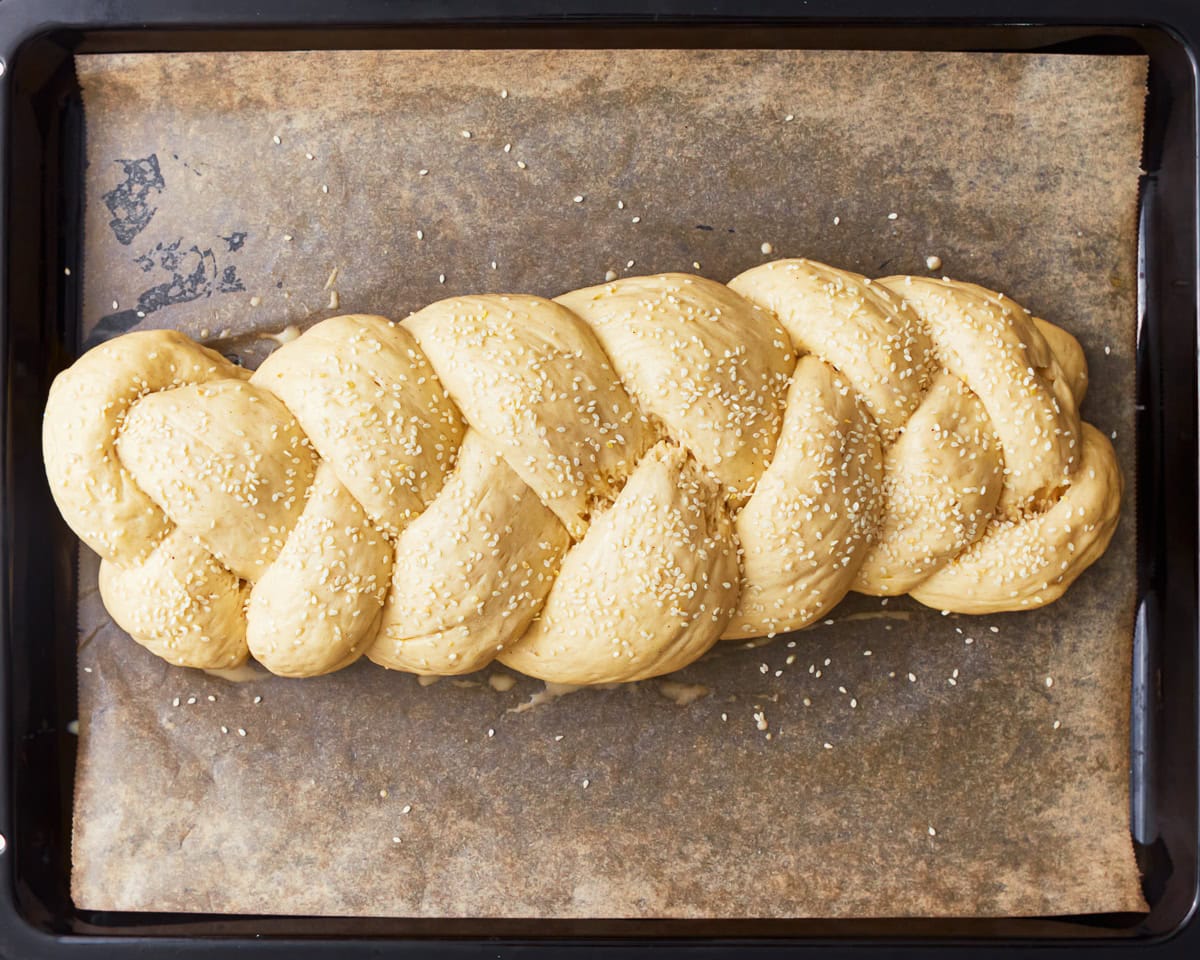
(591, 489)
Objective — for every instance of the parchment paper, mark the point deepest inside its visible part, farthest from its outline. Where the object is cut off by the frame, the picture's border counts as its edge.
(912, 764)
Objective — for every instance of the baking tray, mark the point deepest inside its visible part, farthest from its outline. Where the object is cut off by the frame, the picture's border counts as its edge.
(41, 156)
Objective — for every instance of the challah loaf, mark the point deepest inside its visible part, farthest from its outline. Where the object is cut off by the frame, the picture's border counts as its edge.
(591, 489)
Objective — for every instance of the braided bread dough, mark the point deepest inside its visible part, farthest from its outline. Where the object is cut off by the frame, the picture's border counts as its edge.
(593, 489)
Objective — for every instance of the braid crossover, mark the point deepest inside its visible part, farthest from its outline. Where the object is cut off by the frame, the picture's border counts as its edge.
(590, 489)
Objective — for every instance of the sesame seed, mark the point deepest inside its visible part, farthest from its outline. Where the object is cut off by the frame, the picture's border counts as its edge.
(383, 793)
(558, 737)
(211, 698)
(224, 729)
(932, 832)
(503, 94)
(912, 678)
(275, 140)
(258, 699)
(441, 278)
(1056, 724)
(491, 732)
(767, 248)
(789, 118)
(620, 204)
(892, 216)
(142, 313)
(610, 275)
(116, 305)
(696, 264)
(933, 262)
(241, 731)
(836, 221)
(724, 718)
(521, 164)
(175, 702)
(579, 198)
(420, 234)
(407, 808)
(828, 746)
(287, 237)
(466, 134)
(1049, 682)
(423, 172)
(586, 783)
(255, 301)
(324, 188)
(191, 700)
(635, 220)
(395, 839)
(308, 156)
(66, 271)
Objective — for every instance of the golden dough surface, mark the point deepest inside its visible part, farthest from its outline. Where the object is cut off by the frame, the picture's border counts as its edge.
(591, 489)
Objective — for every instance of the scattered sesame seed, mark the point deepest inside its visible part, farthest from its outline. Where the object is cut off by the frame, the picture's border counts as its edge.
(836, 221)
(994, 629)
(789, 118)
(66, 271)
(423, 172)
(395, 839)
(933, 262)
(767, 248)
(892, 216)
(255, 301)
(491, 732)
(420, 234)
(494, 265)
(407, 808)
(628, 264)
(89, 670)
(116, 305)
(1056, 724)
(241, 731)
(828, 746)
(558, 737)
(287, 238)
(275, 140)
(211, 698)
(258, 699)
(932, 832)
(853, 703)
(969, 640)
(579, 198)
(441, 278)
(308, 156)
(466, 134)
(521, 164)
(508, 148)
(912, 678)
(324, 188)
(1113, 435)
(142, 313)
(635, 220)
(620, 204)
(586, 783)
(807, 702)
(503, 94)
(383, 793)
(724, 718)
(175, 702)
(1049, 682)
(191, 700)
(610, 275)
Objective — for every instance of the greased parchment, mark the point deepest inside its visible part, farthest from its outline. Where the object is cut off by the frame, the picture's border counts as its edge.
(891, 762)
